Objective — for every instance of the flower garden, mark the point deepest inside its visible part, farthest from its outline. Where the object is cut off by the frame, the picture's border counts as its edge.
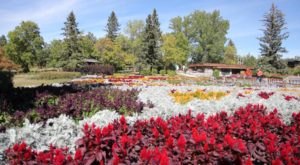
(146, 120)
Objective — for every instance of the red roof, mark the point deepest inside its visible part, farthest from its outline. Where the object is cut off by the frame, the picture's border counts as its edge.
(219, 66)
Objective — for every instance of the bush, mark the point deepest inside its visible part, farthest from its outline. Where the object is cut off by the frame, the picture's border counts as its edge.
(56, 75)
(6, 81)
(145, 72)
(97, 69)
(216, 73)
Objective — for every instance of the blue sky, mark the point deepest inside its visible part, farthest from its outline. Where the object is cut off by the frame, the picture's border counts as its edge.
(244, 16)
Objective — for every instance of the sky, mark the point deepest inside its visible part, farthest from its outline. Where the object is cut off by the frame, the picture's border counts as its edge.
(244, 16)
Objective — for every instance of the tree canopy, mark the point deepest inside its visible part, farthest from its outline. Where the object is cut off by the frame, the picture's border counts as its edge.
(25, 44)
(206, 33)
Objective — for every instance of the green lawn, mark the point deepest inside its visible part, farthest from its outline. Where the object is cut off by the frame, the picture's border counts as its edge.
(39, 78)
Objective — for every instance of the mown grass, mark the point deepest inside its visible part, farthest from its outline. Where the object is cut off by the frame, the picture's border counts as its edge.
(39, 78)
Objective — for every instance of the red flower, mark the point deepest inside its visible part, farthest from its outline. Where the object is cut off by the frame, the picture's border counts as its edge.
(205, 147)
(164, 159)
(78, 155)
(181, 143)
(229, 140)
(155, 132)
(248, 161)
(170, 142)
(116, 159)
(139, 135)
(167, 133)
(145, 154)
(124, 140)
(122, 120)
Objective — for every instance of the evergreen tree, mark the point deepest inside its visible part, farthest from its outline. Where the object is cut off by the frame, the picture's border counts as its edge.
(271, 42)
(3, 41)
(112, 26)
(152, 42)
(72, 37)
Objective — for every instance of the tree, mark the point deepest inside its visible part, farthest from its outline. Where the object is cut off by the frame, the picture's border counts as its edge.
(5, 63)
(72, 37)
(3, 41)
(87, 43)
(230, 55)
(152, 41)
(206, 33)
(271, 42)
(134, 29)
(58, 51)
(109, 52)
(175, 49)
(249, 60)
(25, 44)
(112, 26)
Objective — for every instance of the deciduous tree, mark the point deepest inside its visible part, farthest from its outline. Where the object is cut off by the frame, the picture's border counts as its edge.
(25, 44)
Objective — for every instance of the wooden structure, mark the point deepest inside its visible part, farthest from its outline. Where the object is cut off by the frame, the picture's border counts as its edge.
(206, 69)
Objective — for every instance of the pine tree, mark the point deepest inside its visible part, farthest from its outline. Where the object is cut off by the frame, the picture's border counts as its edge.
(112, 26)
(152, 41)
(72, 37)
(271, 43)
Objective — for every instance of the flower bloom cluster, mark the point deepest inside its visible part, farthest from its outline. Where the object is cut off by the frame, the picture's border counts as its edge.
(249, 136)
(184, 97)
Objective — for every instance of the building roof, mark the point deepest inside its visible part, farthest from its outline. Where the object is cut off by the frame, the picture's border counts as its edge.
(219, 66)
(90, 60)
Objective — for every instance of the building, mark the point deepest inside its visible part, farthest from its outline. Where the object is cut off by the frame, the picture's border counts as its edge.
(292, 63)
(90, 61)
(206, 69)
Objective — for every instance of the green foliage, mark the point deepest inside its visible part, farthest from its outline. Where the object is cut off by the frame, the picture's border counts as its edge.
(271, 42)
(230, 55)
(216, 73)
(33, 116)
(152, 41)
(112, 26)
(109, 52)
(4, 118)
(58, 54)
(72, 55)
(205, 32)
(134, 29)
(86, 44)
(25, 44)
(175, 49)
(249, 60)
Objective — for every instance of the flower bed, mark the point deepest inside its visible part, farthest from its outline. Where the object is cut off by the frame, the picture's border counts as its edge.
(184, 97)
(249, 136)
(77, 105)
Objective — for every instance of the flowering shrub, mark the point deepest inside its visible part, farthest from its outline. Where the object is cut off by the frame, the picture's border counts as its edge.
(185, 97)
(249, 136)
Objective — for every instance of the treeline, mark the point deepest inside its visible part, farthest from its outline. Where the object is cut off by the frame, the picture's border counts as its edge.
(197, 37)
